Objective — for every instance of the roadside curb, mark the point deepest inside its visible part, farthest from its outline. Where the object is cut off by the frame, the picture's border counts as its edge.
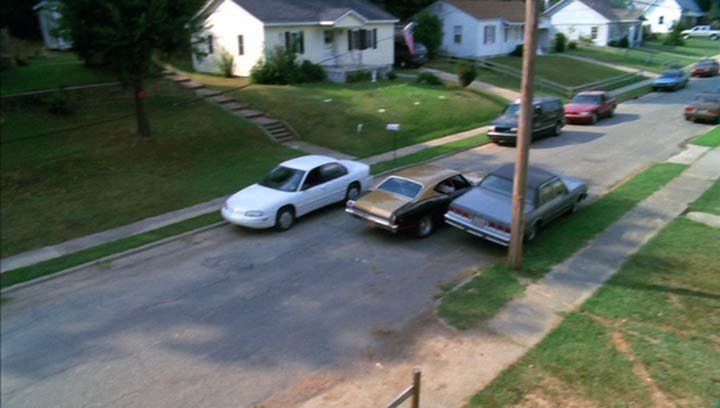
(111, 257)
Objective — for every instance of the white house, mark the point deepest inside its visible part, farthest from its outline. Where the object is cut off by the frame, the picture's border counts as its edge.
(342, 35)
(598, 20)
(49, 16)
(660, 15)
(474, 28)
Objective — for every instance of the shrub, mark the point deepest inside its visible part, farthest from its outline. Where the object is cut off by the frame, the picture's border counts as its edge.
(312, 72)
(675, 36)
(58, 103)
(585, 39)
(572, 45)
(623, 42)
(358, 76)
(226, 64)
(391, 75)
(560, 41)
(612, 43)
(428, 30)
(279, 68)
(518, 51)
(428, 78)
(466, 73)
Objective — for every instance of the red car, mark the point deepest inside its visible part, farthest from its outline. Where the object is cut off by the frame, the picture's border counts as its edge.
(706, 67)
(587, 107)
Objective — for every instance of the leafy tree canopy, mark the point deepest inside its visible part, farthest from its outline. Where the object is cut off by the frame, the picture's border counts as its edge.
(428, 30)
(403, 9)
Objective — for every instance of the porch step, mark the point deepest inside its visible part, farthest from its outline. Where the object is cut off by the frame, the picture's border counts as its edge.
(168, 72)
(179, 78)
(267, 122)
(206, 92)
(285, 137)
(250, 113)
(235, 106)
(193, 84)
(221, 99)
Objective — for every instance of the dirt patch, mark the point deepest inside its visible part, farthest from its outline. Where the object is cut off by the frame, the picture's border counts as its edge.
(302, 390)
(553, 393)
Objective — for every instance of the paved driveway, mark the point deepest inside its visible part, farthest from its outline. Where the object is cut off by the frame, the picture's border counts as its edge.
(230, 317)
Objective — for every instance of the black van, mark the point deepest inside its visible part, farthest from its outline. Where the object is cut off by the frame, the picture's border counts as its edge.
(403, 59)
(549, 117)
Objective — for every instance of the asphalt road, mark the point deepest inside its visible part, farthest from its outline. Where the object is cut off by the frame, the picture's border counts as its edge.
(230, 317)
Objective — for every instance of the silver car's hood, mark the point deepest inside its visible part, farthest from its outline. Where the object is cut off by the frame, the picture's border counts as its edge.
(488, 204)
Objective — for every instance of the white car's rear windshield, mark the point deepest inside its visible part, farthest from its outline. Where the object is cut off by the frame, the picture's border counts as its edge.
(498, 184)
(402, 187)
(283, 179)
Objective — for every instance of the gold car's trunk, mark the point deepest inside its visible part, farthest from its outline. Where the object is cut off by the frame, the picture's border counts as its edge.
(381, 203)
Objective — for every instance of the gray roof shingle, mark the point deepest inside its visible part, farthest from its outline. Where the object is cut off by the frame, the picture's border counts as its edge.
(613, 13)
(305, 11)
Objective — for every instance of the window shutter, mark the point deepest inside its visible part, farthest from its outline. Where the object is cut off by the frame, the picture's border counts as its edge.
(287, 40)
(350, 42)
(210, 44)
(301, 40)
(241, 45)
(374, 41)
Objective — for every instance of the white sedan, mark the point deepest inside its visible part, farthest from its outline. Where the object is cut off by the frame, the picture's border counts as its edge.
(295, 188)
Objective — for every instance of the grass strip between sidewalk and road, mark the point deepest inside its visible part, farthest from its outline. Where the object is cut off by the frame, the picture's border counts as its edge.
(62, 263)
(471, 303)
(710, 139)
(709, 202)
(646, 338)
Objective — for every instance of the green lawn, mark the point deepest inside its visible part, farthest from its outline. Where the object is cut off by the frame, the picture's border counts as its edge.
(709, 202)
(483, 75)
(330, 114)
(50, 73)
(694, 47)
(632, 57)
(470, 304)
(648, 335)
(565, 71)
(59, 185)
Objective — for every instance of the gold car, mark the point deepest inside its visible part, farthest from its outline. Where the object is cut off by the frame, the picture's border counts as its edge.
(414, 199)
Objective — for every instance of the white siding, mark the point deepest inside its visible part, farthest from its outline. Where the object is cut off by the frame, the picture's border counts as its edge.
(575, 20)
(668, 11)
(225, 24)
(452, 17)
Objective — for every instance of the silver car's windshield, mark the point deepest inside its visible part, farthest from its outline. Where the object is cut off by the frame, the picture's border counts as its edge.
(594, 99)
(498, 184)
(283, 179)
(405, 188)
(670, 74)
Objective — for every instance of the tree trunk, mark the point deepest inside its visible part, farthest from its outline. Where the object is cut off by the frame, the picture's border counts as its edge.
(143, 126)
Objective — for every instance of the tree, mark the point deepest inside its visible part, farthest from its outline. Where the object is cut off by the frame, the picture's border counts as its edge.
(124, 35)
(404, 9)
(675, 36)
(428, 30)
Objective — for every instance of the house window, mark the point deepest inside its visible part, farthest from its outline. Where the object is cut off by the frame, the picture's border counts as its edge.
(362, 39)
(594, 33)
(661, 20)
(241, 45)
(457, 37)
(489, 37)
(295, 41)
(210, 44)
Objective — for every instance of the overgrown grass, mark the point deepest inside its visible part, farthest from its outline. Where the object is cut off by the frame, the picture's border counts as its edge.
(693, 48)
(659, 312)
(62, 179)
(634, 94)
(330, 114)
(711, 138)
(430, 153)
(632, 57)
(560, 240)
(50, 73)
(709, 202)
(52, 266)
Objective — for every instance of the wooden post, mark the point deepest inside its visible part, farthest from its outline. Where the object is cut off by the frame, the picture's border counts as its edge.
(416, 389)
(524, 138)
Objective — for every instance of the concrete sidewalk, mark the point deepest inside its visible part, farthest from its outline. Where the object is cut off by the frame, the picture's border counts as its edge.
(457, 365)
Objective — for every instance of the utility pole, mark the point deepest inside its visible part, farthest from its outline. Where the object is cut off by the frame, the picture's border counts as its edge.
(517, 225)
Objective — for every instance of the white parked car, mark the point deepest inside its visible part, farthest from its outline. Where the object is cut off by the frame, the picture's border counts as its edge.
(295, 188)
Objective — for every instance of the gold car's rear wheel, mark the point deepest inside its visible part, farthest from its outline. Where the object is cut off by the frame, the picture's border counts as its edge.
(425, 226)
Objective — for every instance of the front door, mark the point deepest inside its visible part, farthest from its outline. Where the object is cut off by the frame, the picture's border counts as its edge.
(329, 48)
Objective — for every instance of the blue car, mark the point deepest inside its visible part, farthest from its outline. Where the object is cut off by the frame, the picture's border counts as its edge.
(670, 80)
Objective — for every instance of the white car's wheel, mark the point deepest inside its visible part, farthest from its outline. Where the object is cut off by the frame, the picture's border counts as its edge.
(285, 219)
(353, 191)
